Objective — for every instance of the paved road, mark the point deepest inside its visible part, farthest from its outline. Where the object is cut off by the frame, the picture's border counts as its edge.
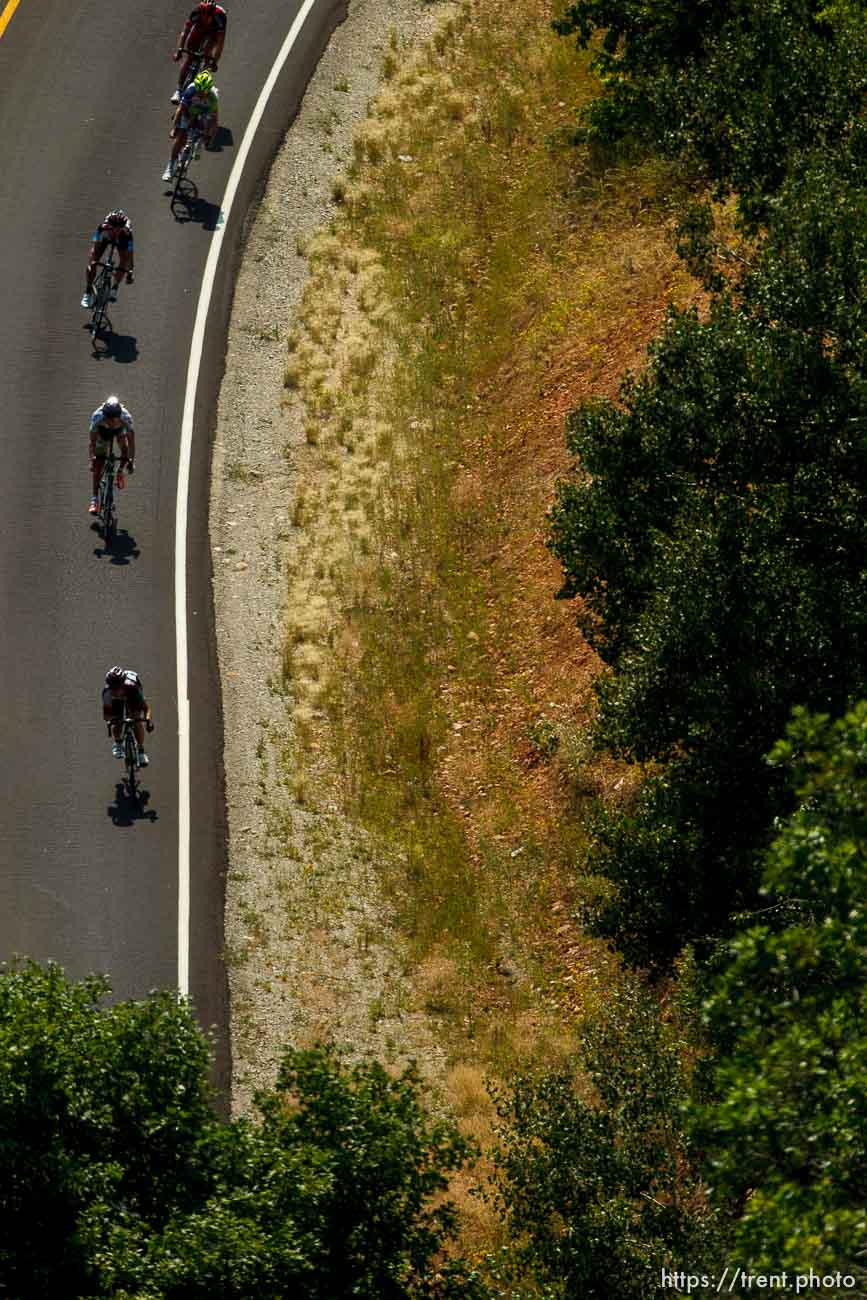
(86, 878)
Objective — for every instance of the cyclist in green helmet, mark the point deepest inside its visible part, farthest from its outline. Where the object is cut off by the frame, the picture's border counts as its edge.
(199, 104)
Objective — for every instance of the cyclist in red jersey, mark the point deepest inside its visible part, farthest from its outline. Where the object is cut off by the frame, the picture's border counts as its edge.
(204, 32)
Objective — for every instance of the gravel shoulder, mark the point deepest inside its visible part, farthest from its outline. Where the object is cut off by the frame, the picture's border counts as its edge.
(311, 948)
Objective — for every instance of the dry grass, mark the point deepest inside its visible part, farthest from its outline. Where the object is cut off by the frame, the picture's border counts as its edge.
(482, 277)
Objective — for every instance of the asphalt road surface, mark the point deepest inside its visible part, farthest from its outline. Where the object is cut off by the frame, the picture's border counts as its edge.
(87, 878)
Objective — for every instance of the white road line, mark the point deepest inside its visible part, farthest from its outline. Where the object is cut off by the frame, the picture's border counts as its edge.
(183, 495)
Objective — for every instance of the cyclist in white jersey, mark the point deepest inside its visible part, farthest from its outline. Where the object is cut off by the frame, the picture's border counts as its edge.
(109, 421)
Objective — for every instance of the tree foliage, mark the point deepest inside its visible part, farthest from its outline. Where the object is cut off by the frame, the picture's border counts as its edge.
(596, 1177)
(120, 1181)
(738, 90)
(786, 1140)
(717, 530)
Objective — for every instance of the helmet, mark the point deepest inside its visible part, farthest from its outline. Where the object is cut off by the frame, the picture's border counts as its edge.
(204, 82)
(111, 409)
(115, 676)
(116, 218)
(207, 7)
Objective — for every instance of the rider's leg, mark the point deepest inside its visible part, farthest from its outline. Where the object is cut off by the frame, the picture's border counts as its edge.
(90, 271)
(120, 271)
(139, 738)
(98, 467)
(185, 67)
(179, 135)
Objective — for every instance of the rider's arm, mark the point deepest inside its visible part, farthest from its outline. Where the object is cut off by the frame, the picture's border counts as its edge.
(94, 430)
(130, 438)
(182, 38)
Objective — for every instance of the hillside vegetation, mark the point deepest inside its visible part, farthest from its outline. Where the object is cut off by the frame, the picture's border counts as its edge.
(576, 612)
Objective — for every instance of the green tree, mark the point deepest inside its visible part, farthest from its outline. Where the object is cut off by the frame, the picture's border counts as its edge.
(716, 529)
(737, 90)
(119, 1180)
(786, 1141)
(595, 1172)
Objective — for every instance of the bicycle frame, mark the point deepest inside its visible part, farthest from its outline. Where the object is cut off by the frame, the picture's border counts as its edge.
(107, 509)
(197, 62)
(102, 289)
(195, 136)
(130, 749)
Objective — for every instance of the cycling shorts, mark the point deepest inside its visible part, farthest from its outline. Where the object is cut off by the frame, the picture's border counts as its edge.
(136, 705)
(201, 120)
(102, 446)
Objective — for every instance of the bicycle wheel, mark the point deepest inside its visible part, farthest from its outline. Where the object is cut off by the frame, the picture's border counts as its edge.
(181, 169)
(130, 758)
(101, 294)
(109, 515)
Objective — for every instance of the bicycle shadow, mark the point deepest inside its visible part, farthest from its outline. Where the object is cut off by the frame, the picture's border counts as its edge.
(126, 811)
(188, 208)
(107, 345)
(122, 550)
(194, 209)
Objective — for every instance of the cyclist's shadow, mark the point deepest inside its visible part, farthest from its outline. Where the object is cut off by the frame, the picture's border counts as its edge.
(126, 811)
(106, 345)
(123, 548)
(188, 206)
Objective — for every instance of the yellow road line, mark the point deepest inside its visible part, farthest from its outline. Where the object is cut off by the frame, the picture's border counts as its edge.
(6, 16)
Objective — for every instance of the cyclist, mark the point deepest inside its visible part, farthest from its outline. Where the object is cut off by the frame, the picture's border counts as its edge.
(115, 230)
(109, 421)
(123, 687)
(200, 105)
(204, 33)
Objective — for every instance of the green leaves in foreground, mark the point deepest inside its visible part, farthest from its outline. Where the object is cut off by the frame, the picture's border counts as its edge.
(596, 1176)
(761, 1154)
(119, 1180)
(787, 1141)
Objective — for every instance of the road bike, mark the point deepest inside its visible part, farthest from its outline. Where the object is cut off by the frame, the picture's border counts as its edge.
(190, 152)
(107, 514)
(130, 752)
(103, 282)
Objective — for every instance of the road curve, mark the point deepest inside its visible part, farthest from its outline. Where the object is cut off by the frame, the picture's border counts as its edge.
(87, 879)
